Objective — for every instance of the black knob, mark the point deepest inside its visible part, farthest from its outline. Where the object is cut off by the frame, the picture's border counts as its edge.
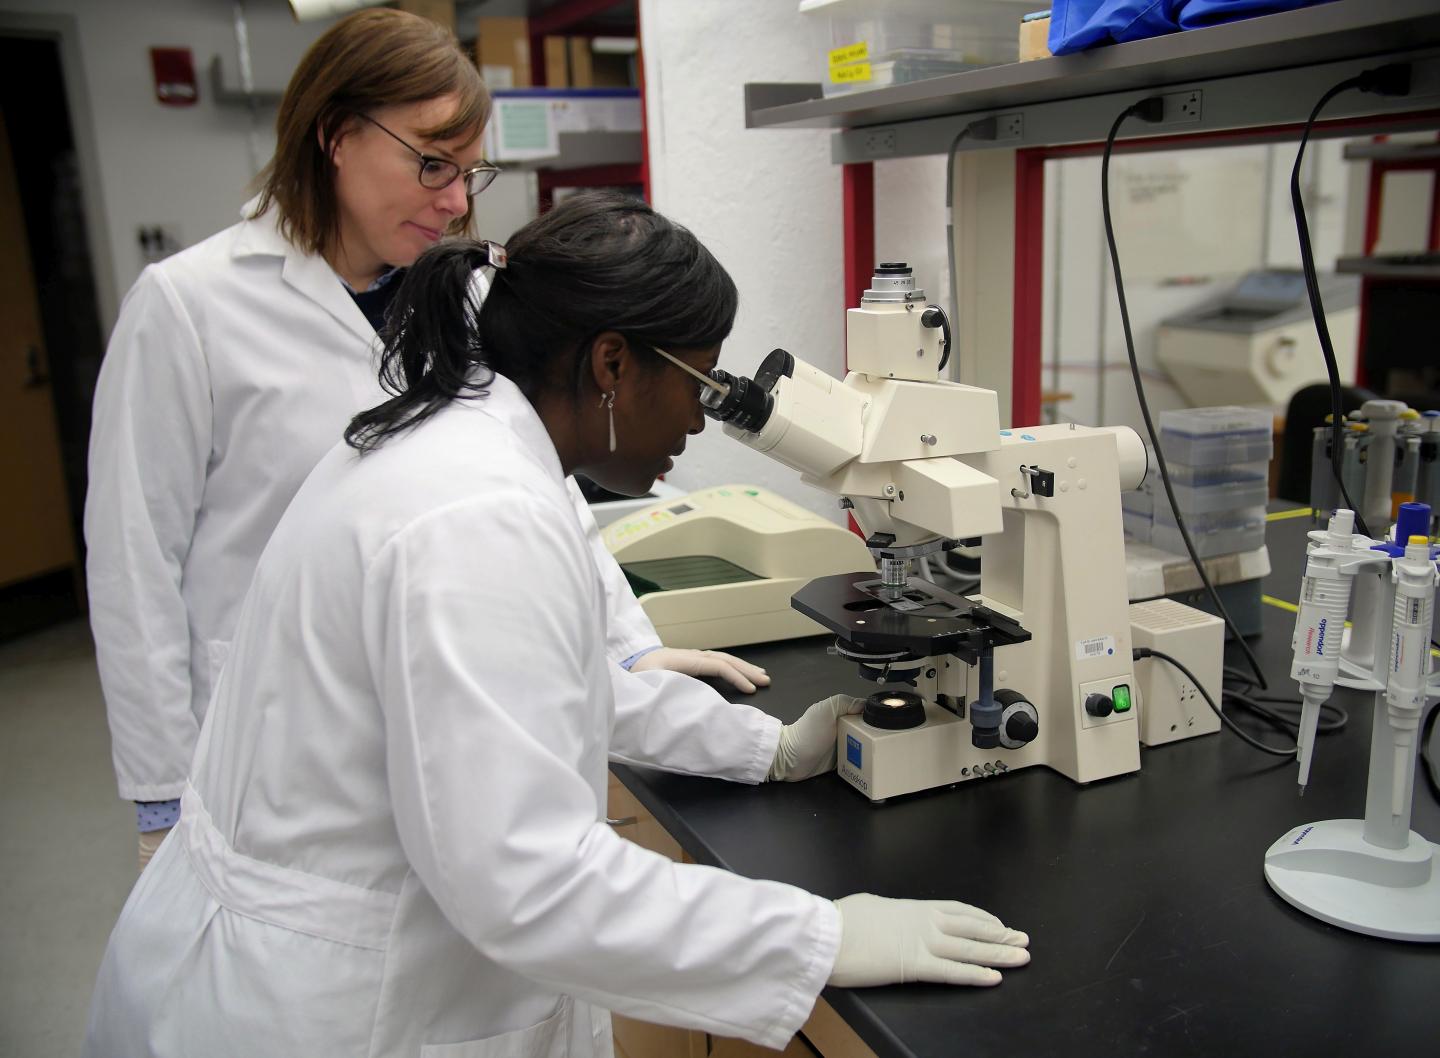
(1099, 705)
(1021, 728)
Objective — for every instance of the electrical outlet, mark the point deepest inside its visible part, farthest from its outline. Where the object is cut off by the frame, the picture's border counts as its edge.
(1182, 108)
(1010, 127)
(879, 144)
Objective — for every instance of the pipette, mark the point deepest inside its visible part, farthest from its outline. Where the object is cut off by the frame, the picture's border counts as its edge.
(1409, 657)
(1320, 626)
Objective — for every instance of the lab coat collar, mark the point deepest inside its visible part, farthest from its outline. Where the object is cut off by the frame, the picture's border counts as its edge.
(511, 408)
(307, 273)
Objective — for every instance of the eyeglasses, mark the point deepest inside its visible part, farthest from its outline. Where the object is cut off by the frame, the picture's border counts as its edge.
(706, 382)
(439, 173)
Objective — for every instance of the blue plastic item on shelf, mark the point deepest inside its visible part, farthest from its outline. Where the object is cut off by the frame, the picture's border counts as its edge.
(1076, 25)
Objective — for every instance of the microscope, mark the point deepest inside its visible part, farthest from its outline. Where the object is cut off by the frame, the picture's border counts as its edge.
(1036, 667)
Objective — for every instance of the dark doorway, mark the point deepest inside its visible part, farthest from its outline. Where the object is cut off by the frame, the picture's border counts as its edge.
(47, 177)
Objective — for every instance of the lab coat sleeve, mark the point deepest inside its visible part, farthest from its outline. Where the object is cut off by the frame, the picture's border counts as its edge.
(149, 445)
(628, 629)
(484, 755)
(677, 723)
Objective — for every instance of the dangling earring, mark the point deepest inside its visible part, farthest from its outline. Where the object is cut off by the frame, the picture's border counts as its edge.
(607, 401)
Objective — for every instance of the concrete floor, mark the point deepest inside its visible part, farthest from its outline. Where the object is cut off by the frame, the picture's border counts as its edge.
(67, 842)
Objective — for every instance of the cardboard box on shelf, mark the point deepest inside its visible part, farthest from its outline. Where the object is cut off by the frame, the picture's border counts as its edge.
(557, 55)
(502, 51)
(1035, 37)
(582, 72)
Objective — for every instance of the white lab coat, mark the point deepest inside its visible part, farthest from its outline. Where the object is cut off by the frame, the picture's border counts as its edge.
(394, 839)
(233, 368)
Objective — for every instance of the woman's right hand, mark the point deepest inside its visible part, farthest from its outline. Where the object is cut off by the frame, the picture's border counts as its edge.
(886, 941)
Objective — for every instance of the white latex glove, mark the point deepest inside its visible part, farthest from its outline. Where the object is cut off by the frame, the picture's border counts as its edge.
(885, 942)
(705, 664)
(149, 842)
(807, 747)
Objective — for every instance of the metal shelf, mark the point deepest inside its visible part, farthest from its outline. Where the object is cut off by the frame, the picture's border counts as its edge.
(1403, 266)
(1392, 152)
(1264, 71)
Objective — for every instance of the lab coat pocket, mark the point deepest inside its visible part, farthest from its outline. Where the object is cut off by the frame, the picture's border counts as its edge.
(549, 1039)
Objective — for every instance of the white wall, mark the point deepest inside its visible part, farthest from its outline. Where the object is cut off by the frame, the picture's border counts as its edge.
(767, 201)
(183, 167)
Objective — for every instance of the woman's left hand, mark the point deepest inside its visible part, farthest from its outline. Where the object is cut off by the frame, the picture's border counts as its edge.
(705, 664)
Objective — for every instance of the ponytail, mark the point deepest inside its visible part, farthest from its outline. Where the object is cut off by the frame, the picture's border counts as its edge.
(431, 349)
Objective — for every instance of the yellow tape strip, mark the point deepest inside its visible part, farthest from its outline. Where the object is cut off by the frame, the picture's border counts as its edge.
(1280, 516)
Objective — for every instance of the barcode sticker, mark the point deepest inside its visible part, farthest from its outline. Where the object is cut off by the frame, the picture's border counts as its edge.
(1094, 647)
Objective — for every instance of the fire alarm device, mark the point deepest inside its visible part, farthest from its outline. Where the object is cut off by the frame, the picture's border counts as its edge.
(174, 76)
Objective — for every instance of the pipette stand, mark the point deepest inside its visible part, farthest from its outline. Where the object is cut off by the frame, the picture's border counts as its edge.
(1376, 875)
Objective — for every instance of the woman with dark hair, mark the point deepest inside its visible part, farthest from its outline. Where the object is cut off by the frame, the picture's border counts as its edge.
(394, 839)
(235, 365)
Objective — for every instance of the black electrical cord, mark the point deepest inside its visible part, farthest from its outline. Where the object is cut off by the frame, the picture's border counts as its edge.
(1151, 110)
(1287, 716)
(1386, 80)
(1432, 777)
(1278, 709)
(1140, 653)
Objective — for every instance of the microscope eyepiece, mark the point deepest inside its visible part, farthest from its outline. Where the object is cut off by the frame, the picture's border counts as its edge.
(747, 404)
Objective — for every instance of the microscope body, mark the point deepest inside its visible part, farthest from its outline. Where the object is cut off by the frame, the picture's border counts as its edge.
(1036, 667)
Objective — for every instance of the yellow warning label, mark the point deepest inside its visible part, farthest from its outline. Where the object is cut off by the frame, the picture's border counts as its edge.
(856, 71)
(850, 53)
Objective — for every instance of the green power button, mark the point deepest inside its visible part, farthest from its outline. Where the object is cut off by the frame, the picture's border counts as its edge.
(1121, 697)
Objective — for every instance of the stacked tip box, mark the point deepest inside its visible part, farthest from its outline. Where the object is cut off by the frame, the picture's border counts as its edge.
(1219, 461)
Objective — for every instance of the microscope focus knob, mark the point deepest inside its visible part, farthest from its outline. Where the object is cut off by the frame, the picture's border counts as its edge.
(1099, 705)
(1021, 729)
(1020, 722)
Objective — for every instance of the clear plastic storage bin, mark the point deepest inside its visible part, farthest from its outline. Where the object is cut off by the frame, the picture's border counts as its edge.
(1221, 542)
(1221, 533)
(1221, 496)
(1137, 526)
(1216, 473)
(1206, 436)
(1199, 524)
(1137, 501)
(876, 43)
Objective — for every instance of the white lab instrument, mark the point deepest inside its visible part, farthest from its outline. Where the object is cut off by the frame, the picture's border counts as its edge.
(716, 568)
(1172, 708)
(1035, 668)
(1256, 343)
(607, 507)
(1375, 875)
